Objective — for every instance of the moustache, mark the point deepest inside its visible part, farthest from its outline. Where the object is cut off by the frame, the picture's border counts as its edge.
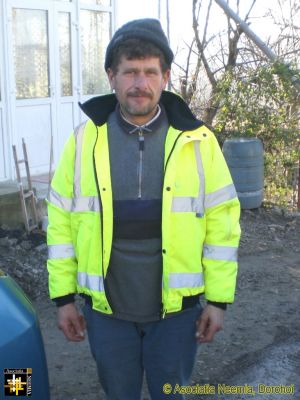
(140, 94)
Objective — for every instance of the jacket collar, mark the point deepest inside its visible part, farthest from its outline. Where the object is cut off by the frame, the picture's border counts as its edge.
(179, 114)
(150, 126)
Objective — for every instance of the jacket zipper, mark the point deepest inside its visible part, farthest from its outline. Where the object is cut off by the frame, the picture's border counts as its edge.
(140, 167)
(169, 156)
(101, 219)
(164, 310)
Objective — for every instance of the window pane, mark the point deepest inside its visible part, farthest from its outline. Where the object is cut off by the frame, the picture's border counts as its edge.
(64, 33)
(97, 2)
(95, 34)
(30, 48)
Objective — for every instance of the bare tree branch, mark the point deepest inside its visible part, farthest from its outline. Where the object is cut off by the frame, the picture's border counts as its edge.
(250, 9)
(201, 48)
(206, 21)
(211, 57)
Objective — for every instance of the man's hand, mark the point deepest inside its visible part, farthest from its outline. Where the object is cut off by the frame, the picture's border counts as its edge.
(71, 322)
(210, 322)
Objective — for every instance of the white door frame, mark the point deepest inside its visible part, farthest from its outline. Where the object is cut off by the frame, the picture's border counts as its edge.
(47, 6)
(9, 104)
(3, 144)
(68, 7)
(5, 98)
(54, 99)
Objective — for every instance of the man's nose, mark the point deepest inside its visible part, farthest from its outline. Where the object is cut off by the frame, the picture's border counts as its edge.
(140, 81)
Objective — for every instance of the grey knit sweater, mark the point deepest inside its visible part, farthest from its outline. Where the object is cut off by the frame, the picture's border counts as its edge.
(134, 278)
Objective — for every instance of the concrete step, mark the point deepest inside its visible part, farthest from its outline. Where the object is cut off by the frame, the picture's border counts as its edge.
(10, 203)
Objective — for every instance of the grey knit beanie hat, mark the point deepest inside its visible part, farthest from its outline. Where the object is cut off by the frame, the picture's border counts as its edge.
(148, 29)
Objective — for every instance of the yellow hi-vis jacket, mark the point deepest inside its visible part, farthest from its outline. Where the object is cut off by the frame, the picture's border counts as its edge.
(200, 219)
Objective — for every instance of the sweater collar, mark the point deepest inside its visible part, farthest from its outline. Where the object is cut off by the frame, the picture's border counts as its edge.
(150, 126)
(178, 113)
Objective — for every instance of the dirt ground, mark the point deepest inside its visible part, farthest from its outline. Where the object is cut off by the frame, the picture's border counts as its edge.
(260, 344)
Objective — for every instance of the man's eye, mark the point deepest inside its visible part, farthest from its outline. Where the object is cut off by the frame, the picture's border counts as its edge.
(152, 73)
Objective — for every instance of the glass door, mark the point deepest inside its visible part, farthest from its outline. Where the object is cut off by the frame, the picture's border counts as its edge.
(32, 79)
(67, 87)
(56, 51)
(3, 143)
(43, 55)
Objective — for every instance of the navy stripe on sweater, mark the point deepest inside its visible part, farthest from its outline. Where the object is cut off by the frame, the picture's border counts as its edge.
(137, 219)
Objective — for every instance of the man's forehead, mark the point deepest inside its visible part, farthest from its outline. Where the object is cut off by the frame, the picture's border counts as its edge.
(140, 60)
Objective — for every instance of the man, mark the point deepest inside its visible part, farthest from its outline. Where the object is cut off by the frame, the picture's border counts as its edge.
(143, 218)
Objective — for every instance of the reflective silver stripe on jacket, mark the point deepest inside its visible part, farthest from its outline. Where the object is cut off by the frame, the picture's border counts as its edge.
(60, 251)
(200, 199)
(85, 203)
(223, 253)
(92, 282)
(59, 201)
(193, 204)
(185, 204)
(220, 196)
(78, 133)
(181, 280)
(203, 201)
(76, 204)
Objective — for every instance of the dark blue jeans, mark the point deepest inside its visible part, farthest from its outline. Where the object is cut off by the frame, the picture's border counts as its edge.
(165, 350)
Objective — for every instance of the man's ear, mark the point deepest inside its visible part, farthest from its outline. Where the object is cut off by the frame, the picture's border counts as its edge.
(111, 79)
(166, 77)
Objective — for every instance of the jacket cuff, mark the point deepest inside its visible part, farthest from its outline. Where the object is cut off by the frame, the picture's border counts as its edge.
(63, 300)
(223, 306)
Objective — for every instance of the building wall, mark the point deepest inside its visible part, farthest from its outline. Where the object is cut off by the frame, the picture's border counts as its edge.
(51, 57)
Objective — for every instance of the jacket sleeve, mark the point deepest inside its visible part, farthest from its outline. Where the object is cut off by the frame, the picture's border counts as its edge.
(62, 263)
(222, 207)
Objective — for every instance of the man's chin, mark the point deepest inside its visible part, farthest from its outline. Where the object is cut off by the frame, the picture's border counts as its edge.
(139, 111)
(139, 102)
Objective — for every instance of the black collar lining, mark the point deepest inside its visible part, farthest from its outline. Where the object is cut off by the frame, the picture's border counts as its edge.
(179, 114)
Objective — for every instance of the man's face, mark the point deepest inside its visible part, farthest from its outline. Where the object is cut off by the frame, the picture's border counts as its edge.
(138, 85)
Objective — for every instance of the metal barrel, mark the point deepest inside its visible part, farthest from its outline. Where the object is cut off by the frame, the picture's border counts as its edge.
(245, 159)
